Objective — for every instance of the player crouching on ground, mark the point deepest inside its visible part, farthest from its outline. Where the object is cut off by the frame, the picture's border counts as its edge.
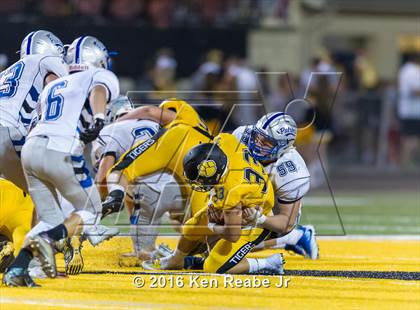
(16, 211)
(148, 197)
(236, 181)
(271, 141)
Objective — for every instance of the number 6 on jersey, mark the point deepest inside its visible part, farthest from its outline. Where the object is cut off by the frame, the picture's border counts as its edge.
(55, 102)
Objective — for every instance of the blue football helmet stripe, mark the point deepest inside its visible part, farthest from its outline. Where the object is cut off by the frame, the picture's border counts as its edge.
(78, 48)
(29, 43)
(272, 118)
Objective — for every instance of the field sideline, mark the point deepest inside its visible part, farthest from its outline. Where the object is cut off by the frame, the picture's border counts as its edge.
(353, 273)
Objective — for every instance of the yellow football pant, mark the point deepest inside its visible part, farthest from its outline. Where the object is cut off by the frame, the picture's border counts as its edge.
(16, 209)
(224, 255)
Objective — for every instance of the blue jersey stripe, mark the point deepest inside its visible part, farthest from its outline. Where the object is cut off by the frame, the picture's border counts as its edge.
(34, 94)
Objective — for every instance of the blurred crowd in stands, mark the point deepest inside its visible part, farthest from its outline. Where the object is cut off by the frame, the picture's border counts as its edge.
(347, 115)
(159, 13)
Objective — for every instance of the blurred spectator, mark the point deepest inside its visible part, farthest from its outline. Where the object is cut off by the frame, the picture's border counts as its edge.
(10, 6)
(89, 8)
(165, 70)
(282, 94)
(369, 107)
(160, 12)
(55, 8)
(125, 10)
(211, 10)
(3, 61)
(366, 72)
(246, 108)
(409, 108)
(207, 74)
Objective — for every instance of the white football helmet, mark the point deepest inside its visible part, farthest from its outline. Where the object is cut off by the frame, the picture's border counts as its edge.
(41, 42)
(118, 107)
(271, 136)
(87, 52)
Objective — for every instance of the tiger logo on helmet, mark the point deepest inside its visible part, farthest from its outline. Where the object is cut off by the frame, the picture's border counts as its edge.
(207, 168)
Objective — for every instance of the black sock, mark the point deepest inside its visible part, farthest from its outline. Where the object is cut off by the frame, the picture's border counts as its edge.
(22, 260)
(57, 233)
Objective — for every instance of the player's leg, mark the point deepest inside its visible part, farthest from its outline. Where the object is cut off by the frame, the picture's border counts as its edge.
(301, 240)
(12, 140)
(76, 185)
(228, 257)
(194, 232)
(38, 245)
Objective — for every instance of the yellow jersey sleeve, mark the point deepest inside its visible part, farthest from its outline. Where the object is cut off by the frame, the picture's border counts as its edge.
(185, 113)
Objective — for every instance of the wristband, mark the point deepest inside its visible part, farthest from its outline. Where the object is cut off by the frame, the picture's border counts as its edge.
(211, 226)
(99, 116)
(261, 220)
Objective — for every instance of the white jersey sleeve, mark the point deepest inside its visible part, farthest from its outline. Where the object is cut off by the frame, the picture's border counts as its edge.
(290, 177)
(55, 65)
(108, 80)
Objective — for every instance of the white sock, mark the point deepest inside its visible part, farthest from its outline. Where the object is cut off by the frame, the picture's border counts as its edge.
(257, 264)
(291, 238)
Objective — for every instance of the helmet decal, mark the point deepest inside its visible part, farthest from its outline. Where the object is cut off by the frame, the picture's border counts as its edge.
(207, 168)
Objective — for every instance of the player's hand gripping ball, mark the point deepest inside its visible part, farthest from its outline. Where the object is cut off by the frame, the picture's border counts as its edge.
(215, 215)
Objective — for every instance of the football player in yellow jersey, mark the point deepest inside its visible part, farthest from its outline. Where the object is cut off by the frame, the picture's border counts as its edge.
(16, 210)
(236, 182)
(182, 129)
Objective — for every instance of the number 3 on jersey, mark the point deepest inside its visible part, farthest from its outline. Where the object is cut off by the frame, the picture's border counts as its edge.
(55, 102)
(9, 80)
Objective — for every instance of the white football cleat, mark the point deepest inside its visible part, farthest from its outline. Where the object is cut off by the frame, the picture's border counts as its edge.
(100, 233)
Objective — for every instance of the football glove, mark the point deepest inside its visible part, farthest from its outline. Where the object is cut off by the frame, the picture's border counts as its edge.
(92, 133)
(113, 203)
(6, 255)
(73, 258)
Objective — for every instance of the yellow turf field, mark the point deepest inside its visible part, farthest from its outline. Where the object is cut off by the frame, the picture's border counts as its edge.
(313, 284)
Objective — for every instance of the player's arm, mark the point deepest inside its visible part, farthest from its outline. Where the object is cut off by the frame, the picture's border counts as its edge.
(55, 67)
(49, 78)
(98, 99)
(231, 230)
(153, 113)
(284, 221)
(106, 163)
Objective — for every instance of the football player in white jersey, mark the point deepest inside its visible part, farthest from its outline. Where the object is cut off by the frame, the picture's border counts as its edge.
(149, 197)
(41, 61)
(52, 156)
(271, 141)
